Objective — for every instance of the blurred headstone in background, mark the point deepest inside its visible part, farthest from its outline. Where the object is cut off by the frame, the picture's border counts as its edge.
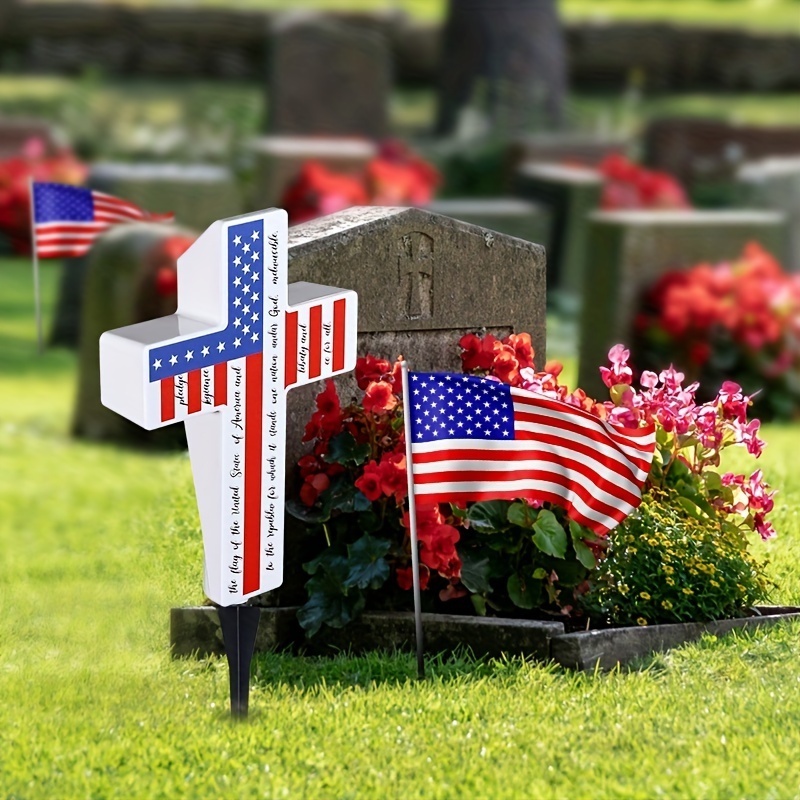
(570, 193)
(198, 194)
(510, 51)
(130, 277)
(774, 183)
(697, 150)
(630, 250)
(567, 148)
(328, 77)
(278, 161)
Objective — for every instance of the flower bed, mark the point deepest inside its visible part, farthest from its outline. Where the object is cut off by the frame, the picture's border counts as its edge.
(737, 319)
(682, 556)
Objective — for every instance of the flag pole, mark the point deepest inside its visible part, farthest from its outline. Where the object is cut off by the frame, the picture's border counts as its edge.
(37, 295)
(412, 525)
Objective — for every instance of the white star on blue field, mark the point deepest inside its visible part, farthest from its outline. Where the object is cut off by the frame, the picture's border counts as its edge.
(242, 335)
(445, 406)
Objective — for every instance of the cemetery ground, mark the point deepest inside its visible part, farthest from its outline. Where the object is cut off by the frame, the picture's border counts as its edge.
(96, 544)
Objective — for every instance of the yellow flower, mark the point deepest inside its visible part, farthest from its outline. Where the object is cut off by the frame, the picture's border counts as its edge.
(667, 569)
(666, 604)
(687, 590)
(644, 595)
(714, 584)
(623, 588)
(693, 571)
(633, 551)
(670, 581)
(641, 621)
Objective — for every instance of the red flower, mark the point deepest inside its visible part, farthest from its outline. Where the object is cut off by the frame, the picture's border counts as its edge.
(523, 349)
(405, 577)
(369, 369)
(394, 480)
(369, 484)
(313, 486)
(379, 398)
(478, 353)
(506, 367)
(318, 191)
(327, 419)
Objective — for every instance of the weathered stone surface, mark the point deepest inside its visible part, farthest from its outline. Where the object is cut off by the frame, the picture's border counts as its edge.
(279, 159)
(328, 77)
(774, 183)
(631, 249)
(605, 649)
(510, 215)
(118, 290)
(442, 633)
(196, 632)
(198, 194)
(69, 304)
(571, 193)
(516, 48)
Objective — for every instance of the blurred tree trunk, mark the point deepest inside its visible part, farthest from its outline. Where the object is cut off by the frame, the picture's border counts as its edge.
(512, 53)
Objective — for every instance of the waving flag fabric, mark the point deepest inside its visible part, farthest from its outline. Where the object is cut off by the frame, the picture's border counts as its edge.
(474, 439)
(67, 219)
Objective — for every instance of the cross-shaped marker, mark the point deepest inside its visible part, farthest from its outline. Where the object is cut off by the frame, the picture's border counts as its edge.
(223, 364)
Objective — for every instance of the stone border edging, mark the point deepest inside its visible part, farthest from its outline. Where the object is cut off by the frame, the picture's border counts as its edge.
(194, 631)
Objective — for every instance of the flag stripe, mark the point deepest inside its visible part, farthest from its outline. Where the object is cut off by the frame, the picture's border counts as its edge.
(194, 401)
(315, 341)
(252, 471)
(339, 322)
(221, 383)
(290, 357)
(167, 399)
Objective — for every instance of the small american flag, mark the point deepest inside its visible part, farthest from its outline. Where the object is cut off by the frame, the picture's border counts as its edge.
(474, 439)
(67, 219)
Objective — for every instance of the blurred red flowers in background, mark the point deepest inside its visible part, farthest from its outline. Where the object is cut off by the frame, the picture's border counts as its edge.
(630, 186)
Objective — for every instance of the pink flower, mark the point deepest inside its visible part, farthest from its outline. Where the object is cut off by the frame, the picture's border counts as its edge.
(619, 372)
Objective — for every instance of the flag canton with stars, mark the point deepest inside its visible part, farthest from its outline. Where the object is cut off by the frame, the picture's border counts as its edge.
(54, 202)
(459, 407)
(243, 332)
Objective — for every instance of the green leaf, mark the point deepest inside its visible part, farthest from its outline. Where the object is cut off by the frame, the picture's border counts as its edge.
(540, 573)
(310, 515)
(713, 480)
(689, 506)
(369, 521)
(475, 571)
(522, 514)
(343, 496)
(489, 517)
(457, 511)
(335, 610)
(583, 553)
(368, 567)
(550, 537)
(479, 604)
(344, 449)
(521, 591)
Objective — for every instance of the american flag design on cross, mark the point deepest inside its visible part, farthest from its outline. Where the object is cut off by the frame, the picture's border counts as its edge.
(240, 339)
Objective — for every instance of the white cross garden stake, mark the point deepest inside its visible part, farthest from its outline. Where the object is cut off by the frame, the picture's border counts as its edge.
(223, 364)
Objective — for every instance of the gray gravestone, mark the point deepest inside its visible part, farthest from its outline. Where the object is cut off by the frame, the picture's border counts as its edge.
(120, 289)
(279, 159)
(630, 250)
(423, 281)
(198, 194)
(775, 184)
(510, 215)
(567, 149)
(328, 77)
(511, 50)
(571, 193)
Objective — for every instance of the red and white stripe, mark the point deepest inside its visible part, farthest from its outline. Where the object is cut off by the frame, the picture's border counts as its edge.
(74, 239)
(560, 454)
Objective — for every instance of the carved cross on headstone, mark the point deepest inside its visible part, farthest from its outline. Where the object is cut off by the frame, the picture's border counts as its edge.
(223, 364)
(415, 263)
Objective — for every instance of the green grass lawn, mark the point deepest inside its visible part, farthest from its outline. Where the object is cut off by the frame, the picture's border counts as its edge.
(96, 543)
